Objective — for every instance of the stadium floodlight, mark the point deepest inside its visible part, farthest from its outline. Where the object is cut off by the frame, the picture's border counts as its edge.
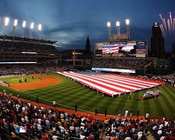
(15, 22)
(117, 23)
(39, 30)
(24, 24)
(14, 26)
(128, 28)
(108, 24)
(6, 22)
(31, 25)
(118, 27)
(39, 27)
(109, 30)
(127, 22)
(31, 28)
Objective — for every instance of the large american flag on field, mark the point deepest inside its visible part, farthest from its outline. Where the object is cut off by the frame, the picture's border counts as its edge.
(111, 84)
(113, 48)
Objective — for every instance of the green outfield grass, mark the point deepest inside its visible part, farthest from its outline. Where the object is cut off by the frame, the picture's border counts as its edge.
(69, 93)
(15, 79)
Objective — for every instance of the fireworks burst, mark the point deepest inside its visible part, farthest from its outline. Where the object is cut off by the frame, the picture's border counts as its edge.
(167, 27)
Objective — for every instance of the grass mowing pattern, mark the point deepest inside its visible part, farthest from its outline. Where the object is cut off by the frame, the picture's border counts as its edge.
(69, 92)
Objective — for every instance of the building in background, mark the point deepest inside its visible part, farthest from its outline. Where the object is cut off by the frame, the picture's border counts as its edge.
(87, 46)
(78, 57)
(157, 42)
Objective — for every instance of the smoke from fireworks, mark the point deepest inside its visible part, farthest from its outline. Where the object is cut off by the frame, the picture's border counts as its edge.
(168, 27)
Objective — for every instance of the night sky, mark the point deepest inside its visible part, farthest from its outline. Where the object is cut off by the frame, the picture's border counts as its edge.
(71, 21)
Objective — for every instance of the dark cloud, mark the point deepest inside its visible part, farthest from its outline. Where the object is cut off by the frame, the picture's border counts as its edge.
(70, 22)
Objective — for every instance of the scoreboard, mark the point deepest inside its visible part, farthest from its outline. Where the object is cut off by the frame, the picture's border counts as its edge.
(121, 49)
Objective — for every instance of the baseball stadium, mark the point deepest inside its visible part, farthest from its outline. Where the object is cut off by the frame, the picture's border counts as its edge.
(117, 91)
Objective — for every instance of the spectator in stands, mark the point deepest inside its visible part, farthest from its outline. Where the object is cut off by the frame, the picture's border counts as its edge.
(14, 112)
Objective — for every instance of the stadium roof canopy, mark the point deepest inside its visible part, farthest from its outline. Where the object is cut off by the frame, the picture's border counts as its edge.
(31, 39)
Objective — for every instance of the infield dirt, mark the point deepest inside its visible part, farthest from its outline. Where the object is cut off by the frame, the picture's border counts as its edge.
(44, 82)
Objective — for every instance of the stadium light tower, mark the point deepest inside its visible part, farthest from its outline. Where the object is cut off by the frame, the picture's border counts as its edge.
(31, 29)
(118, 27)
(14, 26)
(23, 27)
(128, 28)
(39, 29)
(6, 22)
(109, 30)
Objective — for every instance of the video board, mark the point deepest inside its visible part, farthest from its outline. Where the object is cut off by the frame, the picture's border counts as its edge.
(121, 49)
(141, 48)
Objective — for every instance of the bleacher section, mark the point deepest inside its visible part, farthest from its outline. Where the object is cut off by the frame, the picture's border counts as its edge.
(52, 124)
(123, 63)
(30, 69)
(26, 51)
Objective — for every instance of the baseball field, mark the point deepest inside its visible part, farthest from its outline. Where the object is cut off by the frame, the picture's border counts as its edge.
(67, 93)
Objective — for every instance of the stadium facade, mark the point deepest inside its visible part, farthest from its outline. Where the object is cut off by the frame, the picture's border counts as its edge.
(24, 50)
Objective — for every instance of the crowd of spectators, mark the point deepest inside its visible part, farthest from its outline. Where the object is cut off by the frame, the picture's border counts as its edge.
(15, 52)
(6, 46)
(15, 113)
(62, 125)
(30, 69)
(169, 78)
(120, 63)
(138, 129)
